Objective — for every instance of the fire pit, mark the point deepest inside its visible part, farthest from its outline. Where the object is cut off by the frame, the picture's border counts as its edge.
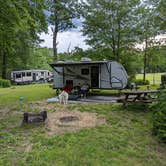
(63, 121)
(66, 119)
(34, 117)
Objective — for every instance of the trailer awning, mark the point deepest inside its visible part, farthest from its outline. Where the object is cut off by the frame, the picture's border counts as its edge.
(70, 63)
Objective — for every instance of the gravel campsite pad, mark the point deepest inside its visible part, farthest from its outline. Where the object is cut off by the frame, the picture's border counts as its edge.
(63, 121)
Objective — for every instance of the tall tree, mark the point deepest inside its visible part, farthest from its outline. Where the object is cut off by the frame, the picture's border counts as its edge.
(21, 22)
(147, 31)
(61, 18)
(111, 24)
(160, 13)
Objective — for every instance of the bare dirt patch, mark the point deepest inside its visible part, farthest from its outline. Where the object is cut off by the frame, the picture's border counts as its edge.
(3, 112)
(76, 121)
(60, 120)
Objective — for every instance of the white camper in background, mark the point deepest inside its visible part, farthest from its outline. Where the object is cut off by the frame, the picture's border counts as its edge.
(97, 74)
(29, 76)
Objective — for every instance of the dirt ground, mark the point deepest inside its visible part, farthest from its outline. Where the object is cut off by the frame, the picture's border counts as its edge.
(55, 126)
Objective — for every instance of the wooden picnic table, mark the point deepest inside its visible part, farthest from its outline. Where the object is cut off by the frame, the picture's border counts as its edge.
(138, 96)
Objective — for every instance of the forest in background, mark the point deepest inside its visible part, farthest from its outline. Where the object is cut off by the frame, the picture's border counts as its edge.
(113, 28)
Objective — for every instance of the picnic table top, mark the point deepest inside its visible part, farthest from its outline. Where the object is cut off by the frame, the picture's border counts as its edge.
(140, 92)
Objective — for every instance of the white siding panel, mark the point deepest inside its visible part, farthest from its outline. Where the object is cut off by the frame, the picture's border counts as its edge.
(105, 76)
(118, 75)
(58, 78)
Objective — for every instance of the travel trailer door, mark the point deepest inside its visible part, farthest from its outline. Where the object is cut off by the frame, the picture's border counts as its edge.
(34, 76)
(94, 77)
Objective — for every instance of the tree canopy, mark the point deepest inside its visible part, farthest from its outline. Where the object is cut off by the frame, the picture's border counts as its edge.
(61, 17)
(112, 28)
(111, 24)
(21, 22)
(118, 25)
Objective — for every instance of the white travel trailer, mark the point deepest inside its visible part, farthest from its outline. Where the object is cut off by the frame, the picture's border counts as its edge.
(29, 76)
(97, 74)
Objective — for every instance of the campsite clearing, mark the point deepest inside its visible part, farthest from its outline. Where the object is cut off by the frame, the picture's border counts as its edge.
(125, 139)
(153, 78)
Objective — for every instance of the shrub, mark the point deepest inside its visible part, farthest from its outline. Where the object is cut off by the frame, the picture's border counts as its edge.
(159, 117)
(4, 83)
(141, 82)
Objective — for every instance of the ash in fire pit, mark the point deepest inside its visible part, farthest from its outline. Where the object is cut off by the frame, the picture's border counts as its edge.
(68, 119)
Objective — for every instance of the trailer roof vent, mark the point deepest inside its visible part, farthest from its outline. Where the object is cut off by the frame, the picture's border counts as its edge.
(85, 59)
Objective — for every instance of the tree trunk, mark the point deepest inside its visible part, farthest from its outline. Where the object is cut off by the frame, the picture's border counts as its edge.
(55, 32)
(4, 67)
(145, 60)
(113, 47)
(55, 45)
(144, 73)
(118, 42)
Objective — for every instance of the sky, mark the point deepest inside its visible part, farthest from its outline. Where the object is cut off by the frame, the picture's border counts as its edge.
(70, 39)
(66, 40)
(158, 38)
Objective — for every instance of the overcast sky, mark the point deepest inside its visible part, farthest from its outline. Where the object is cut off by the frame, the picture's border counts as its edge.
(69, 39)
(73, 38)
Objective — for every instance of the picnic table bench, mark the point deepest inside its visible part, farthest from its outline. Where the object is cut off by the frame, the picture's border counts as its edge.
(138, 96)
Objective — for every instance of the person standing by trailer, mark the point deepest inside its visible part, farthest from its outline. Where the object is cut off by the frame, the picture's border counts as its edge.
(64, 95)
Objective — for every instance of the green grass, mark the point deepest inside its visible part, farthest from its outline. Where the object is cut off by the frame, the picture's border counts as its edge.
(151, 77)
(29, 92)
(126, 139)
(42, 91)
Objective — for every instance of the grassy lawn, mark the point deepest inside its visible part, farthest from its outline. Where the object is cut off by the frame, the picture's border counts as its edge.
(29, 92)
(125, 140)
(151, 76)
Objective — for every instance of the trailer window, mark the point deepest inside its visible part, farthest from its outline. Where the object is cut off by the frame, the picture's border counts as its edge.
(42, 73)
(18, 75)
(85, 71)
(28, 74)
(23, 74)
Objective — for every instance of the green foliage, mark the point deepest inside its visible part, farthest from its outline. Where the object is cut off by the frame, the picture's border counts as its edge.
(146, 32)
(61, 17)
(39, 58)
(160, 17)
(118, 25)
(61, 13)
(154, 78)
(21, 22)
(111, 24)
(159, 117)
(141, 82)
(156, 58)
(130, 59)
(4, 83)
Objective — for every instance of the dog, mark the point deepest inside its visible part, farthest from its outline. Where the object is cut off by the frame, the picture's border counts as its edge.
(63, 97)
